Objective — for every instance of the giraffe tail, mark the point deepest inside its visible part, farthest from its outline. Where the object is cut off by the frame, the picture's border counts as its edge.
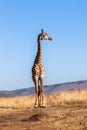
(38, 90)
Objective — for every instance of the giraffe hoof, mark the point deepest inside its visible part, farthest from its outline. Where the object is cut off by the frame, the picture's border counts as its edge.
(36, 106)
(43, 105)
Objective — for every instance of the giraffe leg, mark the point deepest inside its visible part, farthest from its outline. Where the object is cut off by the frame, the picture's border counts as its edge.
(36, 90)
(39, 99)
(42, 92)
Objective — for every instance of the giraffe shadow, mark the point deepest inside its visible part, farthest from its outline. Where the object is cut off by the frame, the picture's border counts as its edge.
(41, 116)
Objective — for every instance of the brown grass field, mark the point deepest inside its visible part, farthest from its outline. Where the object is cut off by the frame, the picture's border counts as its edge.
(64, 111)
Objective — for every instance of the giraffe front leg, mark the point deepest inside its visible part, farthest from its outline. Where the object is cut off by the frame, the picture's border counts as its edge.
(36, 91)
(42, 92)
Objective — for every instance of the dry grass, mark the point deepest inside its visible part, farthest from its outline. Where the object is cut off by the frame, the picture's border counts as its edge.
(17, 102)
(63, 98)
(66, 98)
(67, 111)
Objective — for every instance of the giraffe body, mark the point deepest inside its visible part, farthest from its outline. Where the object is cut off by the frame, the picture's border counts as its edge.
(38, 72)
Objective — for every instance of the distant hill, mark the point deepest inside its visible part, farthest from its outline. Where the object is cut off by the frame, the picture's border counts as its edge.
(5, 94)
(70, 86)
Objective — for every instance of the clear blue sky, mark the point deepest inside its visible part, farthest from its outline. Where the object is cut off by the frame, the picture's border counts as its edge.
(64, 58)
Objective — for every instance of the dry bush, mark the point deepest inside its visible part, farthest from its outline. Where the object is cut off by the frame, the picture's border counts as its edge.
(56, 99)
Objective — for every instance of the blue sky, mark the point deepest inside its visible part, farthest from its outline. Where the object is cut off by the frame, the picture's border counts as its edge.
(64, 58)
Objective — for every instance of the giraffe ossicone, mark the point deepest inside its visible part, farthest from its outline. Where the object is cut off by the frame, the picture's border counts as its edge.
(38, 71)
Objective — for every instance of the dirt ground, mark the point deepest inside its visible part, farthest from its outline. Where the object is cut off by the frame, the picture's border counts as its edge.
(49, 118)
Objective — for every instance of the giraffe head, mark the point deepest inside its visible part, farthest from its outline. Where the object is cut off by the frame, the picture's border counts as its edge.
(44, 35)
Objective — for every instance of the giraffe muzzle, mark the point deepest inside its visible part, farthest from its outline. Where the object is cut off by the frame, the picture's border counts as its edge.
(50, 38)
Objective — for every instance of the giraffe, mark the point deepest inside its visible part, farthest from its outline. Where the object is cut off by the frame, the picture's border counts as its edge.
(38, 72)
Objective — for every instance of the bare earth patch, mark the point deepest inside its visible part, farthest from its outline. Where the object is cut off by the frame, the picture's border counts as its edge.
(64, 117)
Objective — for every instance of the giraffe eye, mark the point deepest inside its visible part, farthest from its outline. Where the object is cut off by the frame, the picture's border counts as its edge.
(44, 35)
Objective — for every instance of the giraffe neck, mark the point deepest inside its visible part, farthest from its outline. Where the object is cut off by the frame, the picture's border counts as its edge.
(38, 58)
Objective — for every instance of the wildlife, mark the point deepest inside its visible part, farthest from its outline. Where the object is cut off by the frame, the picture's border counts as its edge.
(38, 71)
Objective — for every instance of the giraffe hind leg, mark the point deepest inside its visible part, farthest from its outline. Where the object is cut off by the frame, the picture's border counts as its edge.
(39, 93)
(38, 90)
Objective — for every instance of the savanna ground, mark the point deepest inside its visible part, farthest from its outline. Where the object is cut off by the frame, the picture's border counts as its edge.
(64, 111)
